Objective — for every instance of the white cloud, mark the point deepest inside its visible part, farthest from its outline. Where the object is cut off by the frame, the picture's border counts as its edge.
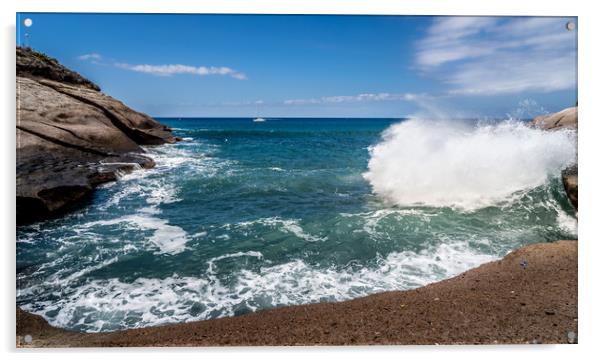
(91, 57)
(171, 69)
(493, 55)
(166, 69)
(365, 97)
(512, 73)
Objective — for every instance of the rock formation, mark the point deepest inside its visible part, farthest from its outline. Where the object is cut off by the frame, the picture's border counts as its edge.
(71, 137)
(569, 180)
(564, 119)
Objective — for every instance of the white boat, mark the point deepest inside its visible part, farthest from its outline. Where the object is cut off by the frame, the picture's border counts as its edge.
(258, 119)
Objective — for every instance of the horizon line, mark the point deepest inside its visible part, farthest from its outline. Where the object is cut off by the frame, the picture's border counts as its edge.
(276, 117)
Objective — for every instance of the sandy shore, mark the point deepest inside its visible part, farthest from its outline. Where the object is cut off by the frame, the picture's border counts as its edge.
(507, 301)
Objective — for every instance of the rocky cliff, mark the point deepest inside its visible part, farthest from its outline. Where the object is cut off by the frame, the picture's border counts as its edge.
(71, 137)
(564, 119)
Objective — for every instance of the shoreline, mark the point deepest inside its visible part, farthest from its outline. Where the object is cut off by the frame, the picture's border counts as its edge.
(69, 131)
(501, 302)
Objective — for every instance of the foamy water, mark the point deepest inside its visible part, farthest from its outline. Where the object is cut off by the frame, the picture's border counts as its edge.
(454, 164)
(245, 216)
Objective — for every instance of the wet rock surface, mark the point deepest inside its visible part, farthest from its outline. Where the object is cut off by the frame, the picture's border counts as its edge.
(564, 119)
(569, 180)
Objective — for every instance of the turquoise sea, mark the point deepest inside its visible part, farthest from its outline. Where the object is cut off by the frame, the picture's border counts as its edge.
(242, 216)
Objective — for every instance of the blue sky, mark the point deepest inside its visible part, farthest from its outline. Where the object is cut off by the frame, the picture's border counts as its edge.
(330, 66)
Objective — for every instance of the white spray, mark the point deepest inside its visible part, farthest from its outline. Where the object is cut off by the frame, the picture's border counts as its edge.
(460, 165)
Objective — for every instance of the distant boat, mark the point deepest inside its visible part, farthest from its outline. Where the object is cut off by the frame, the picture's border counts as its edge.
(258, 119)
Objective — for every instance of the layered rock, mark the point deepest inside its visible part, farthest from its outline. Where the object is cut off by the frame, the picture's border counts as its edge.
(71, 137)
(564, 119)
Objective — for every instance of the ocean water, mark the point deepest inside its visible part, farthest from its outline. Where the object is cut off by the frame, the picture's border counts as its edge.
(243, 216)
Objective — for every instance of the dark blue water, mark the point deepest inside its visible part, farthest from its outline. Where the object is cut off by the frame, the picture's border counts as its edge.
(243, 215)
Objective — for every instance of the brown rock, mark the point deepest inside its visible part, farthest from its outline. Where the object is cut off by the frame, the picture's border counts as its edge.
(33, 64)
(71, 137)
(564, 119)
(569, 180)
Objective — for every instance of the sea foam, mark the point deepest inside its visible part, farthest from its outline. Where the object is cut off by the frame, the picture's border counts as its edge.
(465, 166)
(71, 289)
(155, 301)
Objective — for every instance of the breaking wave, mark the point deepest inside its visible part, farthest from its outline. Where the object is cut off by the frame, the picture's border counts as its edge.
(216, 231)
(462, 165)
